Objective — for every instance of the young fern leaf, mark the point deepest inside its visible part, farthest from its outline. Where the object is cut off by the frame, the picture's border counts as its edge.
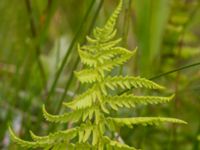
(91, 108)
(84, 100)
(57, 136)
(72, 116)
(141, 120)
(26, 144)
(132, 100)
(87, 75)
(129, 82)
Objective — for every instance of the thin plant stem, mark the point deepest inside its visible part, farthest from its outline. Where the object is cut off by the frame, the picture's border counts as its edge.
(48, 15)
(124, 43)
(175, 70)
(66, 87)
(36, 53)
(125, 28)
(126, 23)
(76, 37)
(37, 34)
(167, 73)
(176, 99)
(34, 35)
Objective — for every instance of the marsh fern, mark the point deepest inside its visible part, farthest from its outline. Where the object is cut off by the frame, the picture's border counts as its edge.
(90, 111)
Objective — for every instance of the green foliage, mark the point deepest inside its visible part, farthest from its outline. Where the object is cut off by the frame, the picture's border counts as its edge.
(150, 25)
(91, 110)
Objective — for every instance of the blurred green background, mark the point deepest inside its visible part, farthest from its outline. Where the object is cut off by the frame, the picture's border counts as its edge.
(38, 40)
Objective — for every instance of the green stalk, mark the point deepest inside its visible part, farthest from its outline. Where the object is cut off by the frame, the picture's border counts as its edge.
(175, 70)
(34, 35)
(167, 73)
(66, 87)
(125, 28)
(51, 7)
(126, 22)
(76, 37)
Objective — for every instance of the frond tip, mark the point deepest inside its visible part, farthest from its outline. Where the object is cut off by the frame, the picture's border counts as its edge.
(37, 138)
(21, 142)
(103, 34)
(72, 116)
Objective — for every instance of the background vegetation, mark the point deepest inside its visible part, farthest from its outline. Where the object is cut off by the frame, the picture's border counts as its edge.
(38, 55)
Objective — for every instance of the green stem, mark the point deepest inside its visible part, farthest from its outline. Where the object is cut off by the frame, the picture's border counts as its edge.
(126, 22)
(125, 28)
(66, 87)
(49, 12)
(34, 36)
(76, 37)
(176, 99)
(175, 70)
(167, 73)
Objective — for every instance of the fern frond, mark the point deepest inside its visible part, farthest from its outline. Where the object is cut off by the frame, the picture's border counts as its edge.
(143, 121)
(101, 46)
(109, 36)
(71, 116)
(110, 64)
(103, 57)
(112, 20)
(36, 137)
(85, 131)
(76, 115)
(84, 100)
(103, 34)
(91, 40)
(87, 58)
(56, 137)
(110, 144)
(91, 109)
(88, 132)
(62, 136)
(87, 75)
(24, 143)
(129, 82)
(131, 100)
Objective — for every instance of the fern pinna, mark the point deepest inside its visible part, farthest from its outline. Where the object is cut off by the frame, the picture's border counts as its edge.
(91, 109)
